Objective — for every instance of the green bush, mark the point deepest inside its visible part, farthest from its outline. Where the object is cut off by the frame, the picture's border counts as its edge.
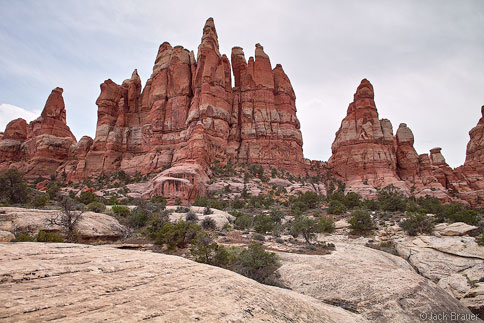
(305, 226)
(352, 200)
(43, 236)
(137, 219)
(13, 188)
(336, 207)
(191, 217)
(23, 237)
(480, 239)
(40, 200)
(203, 248)
(159, 199)
(258, 236)
(416, 223)
(209, 224)
(238, 204)
(121, 210)
(258, 264)
(305, 201)
(391, 199)
(263, 223)
(156, 223)
(176, 235)
(182, 209)
(276, 216)
(53, 190)
(370, 205)
(325, 224)
(361, 221)
(243, 222)
(466, 216)
(87, 197)
(207, 211)
(97, 207)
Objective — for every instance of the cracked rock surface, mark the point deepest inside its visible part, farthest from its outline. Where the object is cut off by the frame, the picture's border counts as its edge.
(380, 286)
(81, 283)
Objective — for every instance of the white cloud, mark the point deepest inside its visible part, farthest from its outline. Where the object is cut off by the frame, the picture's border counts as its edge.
(8, 112)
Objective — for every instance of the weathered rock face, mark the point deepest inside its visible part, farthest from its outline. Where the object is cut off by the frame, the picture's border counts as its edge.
(367, 156)
(189, 114)
(71, 282)
(39, 147)
(455, 263)
(380, 286)
(363, 150)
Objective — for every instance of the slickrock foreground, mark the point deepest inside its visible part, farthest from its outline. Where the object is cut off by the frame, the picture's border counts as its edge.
(80, 283)
(380, 286)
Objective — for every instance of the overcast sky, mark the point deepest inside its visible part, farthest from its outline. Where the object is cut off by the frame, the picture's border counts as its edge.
(425, 58)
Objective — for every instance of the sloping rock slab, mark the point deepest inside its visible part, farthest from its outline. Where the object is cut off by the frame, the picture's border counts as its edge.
(80, 283)
(378, 285)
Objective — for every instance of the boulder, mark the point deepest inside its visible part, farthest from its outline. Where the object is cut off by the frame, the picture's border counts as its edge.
(92, 226)
(454, 229)
(6, 236)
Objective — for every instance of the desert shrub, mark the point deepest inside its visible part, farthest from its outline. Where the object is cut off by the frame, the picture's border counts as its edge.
(23, 237)
(176, 235)
(209, 224)
(191, 217)
(238, 204)
(391, 199)
(261, 201)
(97, 207)
(87, 197)
(211, 203)
(182, 209)
(40, 200)
(466, 216)
(305, 226)
(258, 264)
(480, 239)
(352, 200)
(276, 216)
(53, 190)
(204, 248)
(121, 210)
(416, 223)
(259, 237)
(243, 222)
(156, 222)
(428, 205)
(13, 188)
(137, 219)
(336, 207)
(207, 211)
(201, 201)
(361, 221)
(325, 224)
(370, 205)
(43, 236)
(305, 201)
(263, 223)
(159, 200)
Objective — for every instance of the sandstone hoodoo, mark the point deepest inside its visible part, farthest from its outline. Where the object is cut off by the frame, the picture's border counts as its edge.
(363, 150)
(367, 156)
(190, 116)
(38, 148)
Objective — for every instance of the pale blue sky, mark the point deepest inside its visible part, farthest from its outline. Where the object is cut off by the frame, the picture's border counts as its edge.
(425, 58)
